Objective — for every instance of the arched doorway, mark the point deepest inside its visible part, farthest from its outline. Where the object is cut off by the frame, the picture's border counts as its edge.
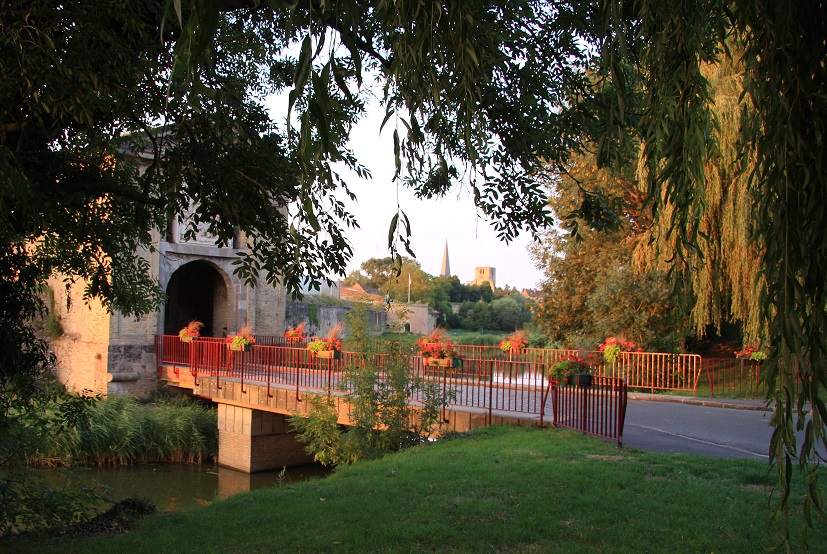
(196, 291)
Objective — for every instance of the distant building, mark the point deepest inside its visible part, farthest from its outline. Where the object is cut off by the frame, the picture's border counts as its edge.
(446, 265)
(360, 293)
(485, 275)
(413, 318)
(534, 294)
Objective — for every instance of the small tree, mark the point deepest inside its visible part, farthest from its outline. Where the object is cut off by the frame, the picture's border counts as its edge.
(383, 419)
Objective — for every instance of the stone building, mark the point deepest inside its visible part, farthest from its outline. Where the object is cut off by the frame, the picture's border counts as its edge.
(485, 275)
(109, 353)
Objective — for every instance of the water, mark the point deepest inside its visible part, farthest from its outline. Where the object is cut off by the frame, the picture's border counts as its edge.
(179, 487)
(528, 378)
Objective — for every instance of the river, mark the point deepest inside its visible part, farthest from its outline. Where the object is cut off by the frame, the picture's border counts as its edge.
(178, 487)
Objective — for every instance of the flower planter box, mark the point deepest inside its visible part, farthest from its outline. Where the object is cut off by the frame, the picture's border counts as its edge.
(329, 354)
(441, 362)
(187, 338)
(240, 347)
(294, 339)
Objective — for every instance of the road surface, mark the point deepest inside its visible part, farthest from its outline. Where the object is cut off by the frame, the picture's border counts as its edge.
(674, 428)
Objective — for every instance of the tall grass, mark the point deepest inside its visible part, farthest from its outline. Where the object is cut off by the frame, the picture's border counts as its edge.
(120, 430)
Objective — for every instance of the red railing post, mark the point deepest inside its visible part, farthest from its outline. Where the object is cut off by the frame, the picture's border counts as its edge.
(491, 366)
(555, 404)
(444, 391)
(241, 371)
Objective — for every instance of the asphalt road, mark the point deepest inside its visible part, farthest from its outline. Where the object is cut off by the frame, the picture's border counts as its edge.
(673, 428)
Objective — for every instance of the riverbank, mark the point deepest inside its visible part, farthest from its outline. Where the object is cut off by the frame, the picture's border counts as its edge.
(506, 489)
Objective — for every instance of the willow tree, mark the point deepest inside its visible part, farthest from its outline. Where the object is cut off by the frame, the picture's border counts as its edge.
(722, 282)
(782, 153)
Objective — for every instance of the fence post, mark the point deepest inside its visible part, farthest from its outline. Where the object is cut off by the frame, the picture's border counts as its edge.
(554, 403)
(444, 387)
(491, 390)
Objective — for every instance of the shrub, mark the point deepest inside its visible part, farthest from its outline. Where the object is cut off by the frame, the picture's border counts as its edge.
(382, 418)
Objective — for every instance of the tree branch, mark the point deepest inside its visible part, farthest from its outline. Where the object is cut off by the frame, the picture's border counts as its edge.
(100, 188)
(360, 42)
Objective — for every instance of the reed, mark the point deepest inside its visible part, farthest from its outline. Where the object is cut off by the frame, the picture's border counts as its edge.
(120, 431)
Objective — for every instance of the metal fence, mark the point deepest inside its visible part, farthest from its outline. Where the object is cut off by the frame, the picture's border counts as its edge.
(598, 409)
(492, 383)
(640, 370)
(731, 377)
(654, 371)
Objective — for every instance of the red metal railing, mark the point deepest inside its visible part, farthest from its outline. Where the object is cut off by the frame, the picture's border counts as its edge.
(492, 383)
(731, 377)
(654, 371)
(598, 409)
(641, 370)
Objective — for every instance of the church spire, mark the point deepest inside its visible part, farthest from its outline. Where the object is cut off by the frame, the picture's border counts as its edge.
(446, 266)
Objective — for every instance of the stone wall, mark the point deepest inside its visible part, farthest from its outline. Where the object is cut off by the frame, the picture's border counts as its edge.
(267, 313)
(132, 370)
(109, 353)
(320, 319)
(418, 318)
(81, 350)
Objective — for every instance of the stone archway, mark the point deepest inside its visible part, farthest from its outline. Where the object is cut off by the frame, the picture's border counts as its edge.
(197, 290)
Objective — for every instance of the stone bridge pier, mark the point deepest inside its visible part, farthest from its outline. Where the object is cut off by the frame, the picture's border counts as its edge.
(251, 440)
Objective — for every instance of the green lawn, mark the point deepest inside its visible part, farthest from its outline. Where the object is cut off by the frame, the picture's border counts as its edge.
(499, 489)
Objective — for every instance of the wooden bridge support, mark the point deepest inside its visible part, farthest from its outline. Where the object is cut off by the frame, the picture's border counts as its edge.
(251, 440)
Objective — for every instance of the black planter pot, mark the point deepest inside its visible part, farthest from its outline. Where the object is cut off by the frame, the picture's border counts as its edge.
(583, 380)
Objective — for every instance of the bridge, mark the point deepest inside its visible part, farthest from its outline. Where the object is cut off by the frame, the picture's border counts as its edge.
(257, 390)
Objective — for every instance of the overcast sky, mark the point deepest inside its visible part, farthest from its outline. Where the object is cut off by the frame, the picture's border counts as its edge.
(472, 242)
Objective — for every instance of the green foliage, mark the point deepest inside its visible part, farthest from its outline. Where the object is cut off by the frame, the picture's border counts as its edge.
(478, 338)
(593, 288)
(52, 323)
(34, 410)
(119, 431)
(321, 432)
(28, 502)
(611, 352)
(382, 418)
(506, 314)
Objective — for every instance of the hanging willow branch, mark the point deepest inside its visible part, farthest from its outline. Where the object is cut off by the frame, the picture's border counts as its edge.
(781, 169)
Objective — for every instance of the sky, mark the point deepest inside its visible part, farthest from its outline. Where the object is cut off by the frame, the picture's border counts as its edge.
(472, 241)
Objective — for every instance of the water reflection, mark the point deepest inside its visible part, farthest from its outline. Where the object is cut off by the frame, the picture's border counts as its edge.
(175, 487)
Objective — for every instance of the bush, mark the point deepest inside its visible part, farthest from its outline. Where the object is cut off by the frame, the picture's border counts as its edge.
(382, 418)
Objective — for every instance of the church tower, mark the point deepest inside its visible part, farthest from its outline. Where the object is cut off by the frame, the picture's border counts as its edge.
(446, 266)
(486, 275)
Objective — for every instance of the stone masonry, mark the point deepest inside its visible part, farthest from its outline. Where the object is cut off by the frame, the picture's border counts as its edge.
(251, 440)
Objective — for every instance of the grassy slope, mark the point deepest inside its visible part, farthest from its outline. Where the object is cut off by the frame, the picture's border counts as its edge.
(501, 489)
